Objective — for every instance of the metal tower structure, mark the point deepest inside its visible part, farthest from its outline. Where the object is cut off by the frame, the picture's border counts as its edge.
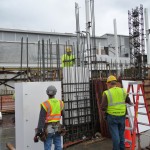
(136, 41)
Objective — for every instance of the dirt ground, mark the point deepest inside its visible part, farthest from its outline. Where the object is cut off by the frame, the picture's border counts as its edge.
(7, 135)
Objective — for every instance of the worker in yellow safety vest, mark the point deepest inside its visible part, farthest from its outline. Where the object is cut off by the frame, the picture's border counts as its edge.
(114, 105)
(49, 120)
(68, 59)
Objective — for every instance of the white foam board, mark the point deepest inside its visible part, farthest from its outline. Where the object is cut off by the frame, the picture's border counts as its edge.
(141, 118)
(29, 96)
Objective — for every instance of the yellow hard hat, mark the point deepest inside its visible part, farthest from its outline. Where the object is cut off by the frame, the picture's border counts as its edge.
(111, 78)
(68, 49)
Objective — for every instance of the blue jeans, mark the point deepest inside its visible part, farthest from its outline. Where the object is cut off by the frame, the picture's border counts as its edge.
(116, 126)
(55, 138)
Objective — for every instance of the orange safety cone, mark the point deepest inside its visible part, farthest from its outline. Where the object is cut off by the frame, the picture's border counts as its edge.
(127, 134)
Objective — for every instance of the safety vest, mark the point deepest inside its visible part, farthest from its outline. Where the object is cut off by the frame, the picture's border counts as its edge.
(69, 58)
(116, 101)
(53, 107)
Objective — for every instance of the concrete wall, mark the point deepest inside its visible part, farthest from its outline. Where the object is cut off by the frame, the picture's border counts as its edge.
(10, 45)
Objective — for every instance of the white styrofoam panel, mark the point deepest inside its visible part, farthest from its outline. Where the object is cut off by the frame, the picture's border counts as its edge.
(141, 118)
(29, 96)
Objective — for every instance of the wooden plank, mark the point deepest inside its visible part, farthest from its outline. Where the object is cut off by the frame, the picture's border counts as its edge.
(147, 89)
(94, 141)
(146, 82)
(147, 95)
(10, 146)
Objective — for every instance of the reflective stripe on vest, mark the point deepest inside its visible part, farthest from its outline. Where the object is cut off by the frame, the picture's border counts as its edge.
(111, 99)
(67, 60)
(116, 101)
(51, 107)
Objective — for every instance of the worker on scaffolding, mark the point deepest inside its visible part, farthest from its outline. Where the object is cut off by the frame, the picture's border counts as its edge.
(68, 59)
(114, 105)
(49, 121)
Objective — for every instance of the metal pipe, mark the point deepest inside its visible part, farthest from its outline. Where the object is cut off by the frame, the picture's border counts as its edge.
(93, 28)
(78, 33)
(88, 26)
(116, 45)
(147, 36)
(27, 57)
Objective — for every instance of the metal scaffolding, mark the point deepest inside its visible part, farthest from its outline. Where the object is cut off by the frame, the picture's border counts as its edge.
(136, 41)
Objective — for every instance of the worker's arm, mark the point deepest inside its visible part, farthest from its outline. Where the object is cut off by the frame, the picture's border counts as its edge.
(63, 115)
(42, 117)
(128, 100)
(104, 103)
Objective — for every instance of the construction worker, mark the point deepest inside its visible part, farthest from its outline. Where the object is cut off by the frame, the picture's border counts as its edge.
(114, 105)
(49, 120)
(68, 59)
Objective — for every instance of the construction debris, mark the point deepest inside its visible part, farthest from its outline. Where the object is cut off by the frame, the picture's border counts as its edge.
(10, 146)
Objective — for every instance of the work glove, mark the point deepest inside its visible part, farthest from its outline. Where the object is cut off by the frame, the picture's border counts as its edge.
(37, 135)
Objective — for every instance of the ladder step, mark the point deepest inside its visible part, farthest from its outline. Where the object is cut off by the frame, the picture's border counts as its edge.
(135, 94)
(142, 107)
(145, 124)
(137, 82)
(128, 141)
(141, 104)
(141, 113)
(128, 116)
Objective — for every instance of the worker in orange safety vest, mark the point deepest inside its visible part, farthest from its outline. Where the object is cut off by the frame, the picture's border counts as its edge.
(49, 120)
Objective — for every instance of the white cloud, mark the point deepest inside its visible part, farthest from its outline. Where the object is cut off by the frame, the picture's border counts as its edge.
(59, 15)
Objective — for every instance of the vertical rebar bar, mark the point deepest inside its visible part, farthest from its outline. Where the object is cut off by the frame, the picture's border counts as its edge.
(43, 60)
(21, 57)
(27, 57)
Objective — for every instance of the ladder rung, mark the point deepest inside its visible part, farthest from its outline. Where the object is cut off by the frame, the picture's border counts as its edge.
(129, 128)
(141, 113)
(128, 141)
(141, 123)
(128, 116)
(135, 94)
(142, 107)
(141, 104)
(137, 82)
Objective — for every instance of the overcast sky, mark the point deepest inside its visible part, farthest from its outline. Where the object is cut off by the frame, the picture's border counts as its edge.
(59, 15)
